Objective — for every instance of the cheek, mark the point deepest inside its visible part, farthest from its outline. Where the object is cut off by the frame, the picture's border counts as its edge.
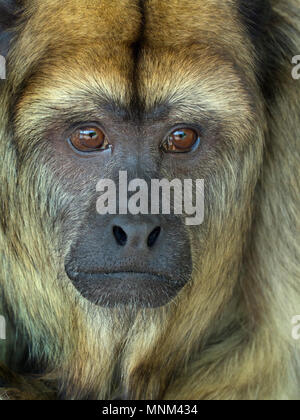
(77, 173)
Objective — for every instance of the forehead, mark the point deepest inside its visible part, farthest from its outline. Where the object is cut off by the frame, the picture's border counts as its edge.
(153, 50)
(160, 22)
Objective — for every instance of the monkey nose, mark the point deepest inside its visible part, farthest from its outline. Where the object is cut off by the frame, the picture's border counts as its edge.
(136, 234)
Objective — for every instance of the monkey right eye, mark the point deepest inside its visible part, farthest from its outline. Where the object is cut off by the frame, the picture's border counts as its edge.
(89, 139)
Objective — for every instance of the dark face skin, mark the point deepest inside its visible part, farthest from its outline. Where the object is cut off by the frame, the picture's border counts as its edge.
(142, 260)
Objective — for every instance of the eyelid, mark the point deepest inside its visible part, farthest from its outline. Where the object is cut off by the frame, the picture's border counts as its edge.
(83, 125)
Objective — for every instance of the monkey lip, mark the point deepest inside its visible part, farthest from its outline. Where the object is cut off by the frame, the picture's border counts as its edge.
(141, 289)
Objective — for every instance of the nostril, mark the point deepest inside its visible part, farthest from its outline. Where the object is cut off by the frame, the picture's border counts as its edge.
(120, 235)
(152, 238)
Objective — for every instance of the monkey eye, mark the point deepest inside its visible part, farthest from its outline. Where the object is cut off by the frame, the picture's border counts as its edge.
(182, 140)
(89, 139)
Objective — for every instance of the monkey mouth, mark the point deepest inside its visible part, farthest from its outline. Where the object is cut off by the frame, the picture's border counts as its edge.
(139, 289)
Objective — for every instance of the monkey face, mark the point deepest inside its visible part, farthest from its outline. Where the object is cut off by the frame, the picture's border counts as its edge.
(135, 259)
(154, 106)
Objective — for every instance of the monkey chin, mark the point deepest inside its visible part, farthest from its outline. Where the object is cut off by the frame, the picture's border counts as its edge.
(141, 290)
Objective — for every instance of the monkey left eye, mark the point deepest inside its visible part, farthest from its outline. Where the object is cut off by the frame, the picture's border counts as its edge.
(89, 139)
(182, 140)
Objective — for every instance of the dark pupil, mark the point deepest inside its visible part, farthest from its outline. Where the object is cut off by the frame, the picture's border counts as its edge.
(92, 134)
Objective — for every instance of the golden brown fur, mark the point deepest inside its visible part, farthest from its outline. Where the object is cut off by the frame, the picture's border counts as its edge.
(227, 335)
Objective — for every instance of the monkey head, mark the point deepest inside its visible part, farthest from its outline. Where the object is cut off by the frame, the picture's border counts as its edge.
(156, 90)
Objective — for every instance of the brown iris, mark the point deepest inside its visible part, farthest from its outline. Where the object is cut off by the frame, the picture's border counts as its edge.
(89, 139)
(181, 140)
